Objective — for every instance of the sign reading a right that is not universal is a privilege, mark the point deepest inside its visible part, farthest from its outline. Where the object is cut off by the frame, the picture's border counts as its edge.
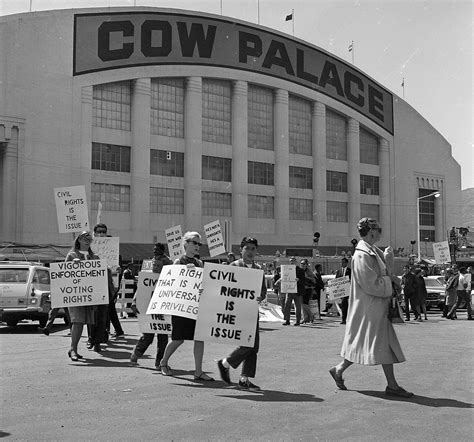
(105, 40)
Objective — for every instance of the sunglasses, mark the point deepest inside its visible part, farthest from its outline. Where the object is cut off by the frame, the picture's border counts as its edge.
(196, 243)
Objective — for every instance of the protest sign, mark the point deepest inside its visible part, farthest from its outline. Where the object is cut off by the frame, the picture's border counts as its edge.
(174, 238)
(76, 283)
(147, 264)
(441, 252)
(149, 323)
(71, 209)
(107, 247)
(288, 279)
(338, 288)
(228, 309)
(215, 239)
(177, 292)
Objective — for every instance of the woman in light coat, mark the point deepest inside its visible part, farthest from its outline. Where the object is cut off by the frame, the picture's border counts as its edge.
(370, 338)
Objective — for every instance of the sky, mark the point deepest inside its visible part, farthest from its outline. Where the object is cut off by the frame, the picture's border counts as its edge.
(428, 43)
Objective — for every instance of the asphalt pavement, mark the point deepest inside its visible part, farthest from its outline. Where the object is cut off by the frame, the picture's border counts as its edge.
(46, 396)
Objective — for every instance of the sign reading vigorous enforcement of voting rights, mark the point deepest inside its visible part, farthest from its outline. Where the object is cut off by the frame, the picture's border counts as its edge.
(71, 209)
(215, 240)
(288, 279)
(441, 252)
(149, 323)
(107, 247)
(339, 288)
(177, 292)
(76, 283)
(228, 309)
(174, 237)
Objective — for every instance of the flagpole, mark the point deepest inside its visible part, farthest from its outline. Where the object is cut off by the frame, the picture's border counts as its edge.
(353, 51)
(293, 20)
(403, 87)
(221, 7)
(258, 11)
(31, 3)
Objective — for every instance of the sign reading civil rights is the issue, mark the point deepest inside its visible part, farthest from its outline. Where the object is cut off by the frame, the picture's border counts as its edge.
(215, 239)
(79, 283)
(71, 209)
(339, 288)
(177, 292)
(149, 323)
(107, 247)
(228, 309)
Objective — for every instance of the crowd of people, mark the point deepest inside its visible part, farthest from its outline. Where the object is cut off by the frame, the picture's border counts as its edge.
(369, 339)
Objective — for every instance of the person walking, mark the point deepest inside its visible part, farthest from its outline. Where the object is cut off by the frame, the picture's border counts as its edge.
(370, 338)
(318, 286)
(409, 290)
(52, 314)
(247, 356)
(450, 298)
(80, 315)
(421, 294)
(182, 329)
(158, 261)
(463, 295)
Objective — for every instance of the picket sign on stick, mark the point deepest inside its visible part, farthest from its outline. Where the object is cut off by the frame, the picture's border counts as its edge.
(78, 283)
(174, 237)
(177, 292)
(215, 239)
(107, 247)
(339, 288)
(71, 209)
(228, 309)
(156, 323)
(441, 252)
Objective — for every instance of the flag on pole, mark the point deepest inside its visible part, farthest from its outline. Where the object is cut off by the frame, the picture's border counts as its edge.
(351, 47)
(289, 17)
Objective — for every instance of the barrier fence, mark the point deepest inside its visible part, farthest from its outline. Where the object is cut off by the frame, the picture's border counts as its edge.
(124, 300)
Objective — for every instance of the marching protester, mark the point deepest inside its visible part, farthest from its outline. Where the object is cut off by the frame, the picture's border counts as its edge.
(158, 261)
(296, 297)
(247, 356)
(308, 291)
(421, 294)
(451, 279)
(80, 315)
(344, 271)
(52, 314)
(183, 328)
(463, 293)
(409, 291)
(370, 338)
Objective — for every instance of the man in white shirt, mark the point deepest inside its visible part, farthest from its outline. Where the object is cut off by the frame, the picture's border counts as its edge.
(463, 294)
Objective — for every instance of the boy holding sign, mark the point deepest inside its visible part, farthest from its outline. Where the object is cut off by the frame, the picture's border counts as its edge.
(245, 355)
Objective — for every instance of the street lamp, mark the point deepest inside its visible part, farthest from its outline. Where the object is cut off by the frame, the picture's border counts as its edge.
(436, 195)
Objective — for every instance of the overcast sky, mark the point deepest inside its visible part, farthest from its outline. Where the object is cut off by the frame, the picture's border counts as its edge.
(427, 42)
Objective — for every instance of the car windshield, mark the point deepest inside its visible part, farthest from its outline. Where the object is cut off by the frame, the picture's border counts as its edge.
(432, 283)
(13, 276)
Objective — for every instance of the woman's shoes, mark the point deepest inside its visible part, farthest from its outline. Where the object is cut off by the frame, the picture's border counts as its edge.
(73, 355)
(337, 379)
(203, 377)
(398, 392)
(166, 370)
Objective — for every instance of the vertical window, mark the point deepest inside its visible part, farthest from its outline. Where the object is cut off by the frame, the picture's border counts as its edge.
(216, 111)
(370, 211)
(110, 157)
(336, 181)
(427, 235)
(163, 200)
(166, 163)
(261, 206)
(260, 117)
(427, 208)
(216, 168)
(299, 118)
(336, 212)
(301, 177)
(369, 147)
(167, 107)
(111, 105)
(114, 197)
(336, 139)
(301, 209)
(369, 185)
(261, 173)
(216, 204)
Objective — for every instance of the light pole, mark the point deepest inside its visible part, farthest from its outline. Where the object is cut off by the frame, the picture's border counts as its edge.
(436, 195)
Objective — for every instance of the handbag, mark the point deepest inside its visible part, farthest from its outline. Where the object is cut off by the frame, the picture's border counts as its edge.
(394, 309)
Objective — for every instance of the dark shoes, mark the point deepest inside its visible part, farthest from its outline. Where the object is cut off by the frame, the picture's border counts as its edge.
(224, 372)
(44, 330)
(203, 377)
(97, 348)
(296, 324)
(286, 323)
(343, 322)
(248, 386)
(89, 345)
(337, 379)
(73, 355)
(398, 392)
(118, 335)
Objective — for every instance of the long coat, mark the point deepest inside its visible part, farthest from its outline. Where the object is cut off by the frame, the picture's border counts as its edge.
(370, 338)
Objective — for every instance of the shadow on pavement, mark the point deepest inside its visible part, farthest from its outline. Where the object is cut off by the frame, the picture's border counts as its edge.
(275, 396)
(420, 400)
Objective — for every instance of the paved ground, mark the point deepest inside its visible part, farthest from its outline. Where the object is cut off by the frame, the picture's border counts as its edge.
(45, 396)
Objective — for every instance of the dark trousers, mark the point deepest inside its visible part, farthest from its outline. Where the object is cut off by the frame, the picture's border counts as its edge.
(407, 307)
(462, 296)
(97, 332)
(247, 355)
(344, 308)
(114, 319)
(144, 342)
(52, 316)
(290, 297)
